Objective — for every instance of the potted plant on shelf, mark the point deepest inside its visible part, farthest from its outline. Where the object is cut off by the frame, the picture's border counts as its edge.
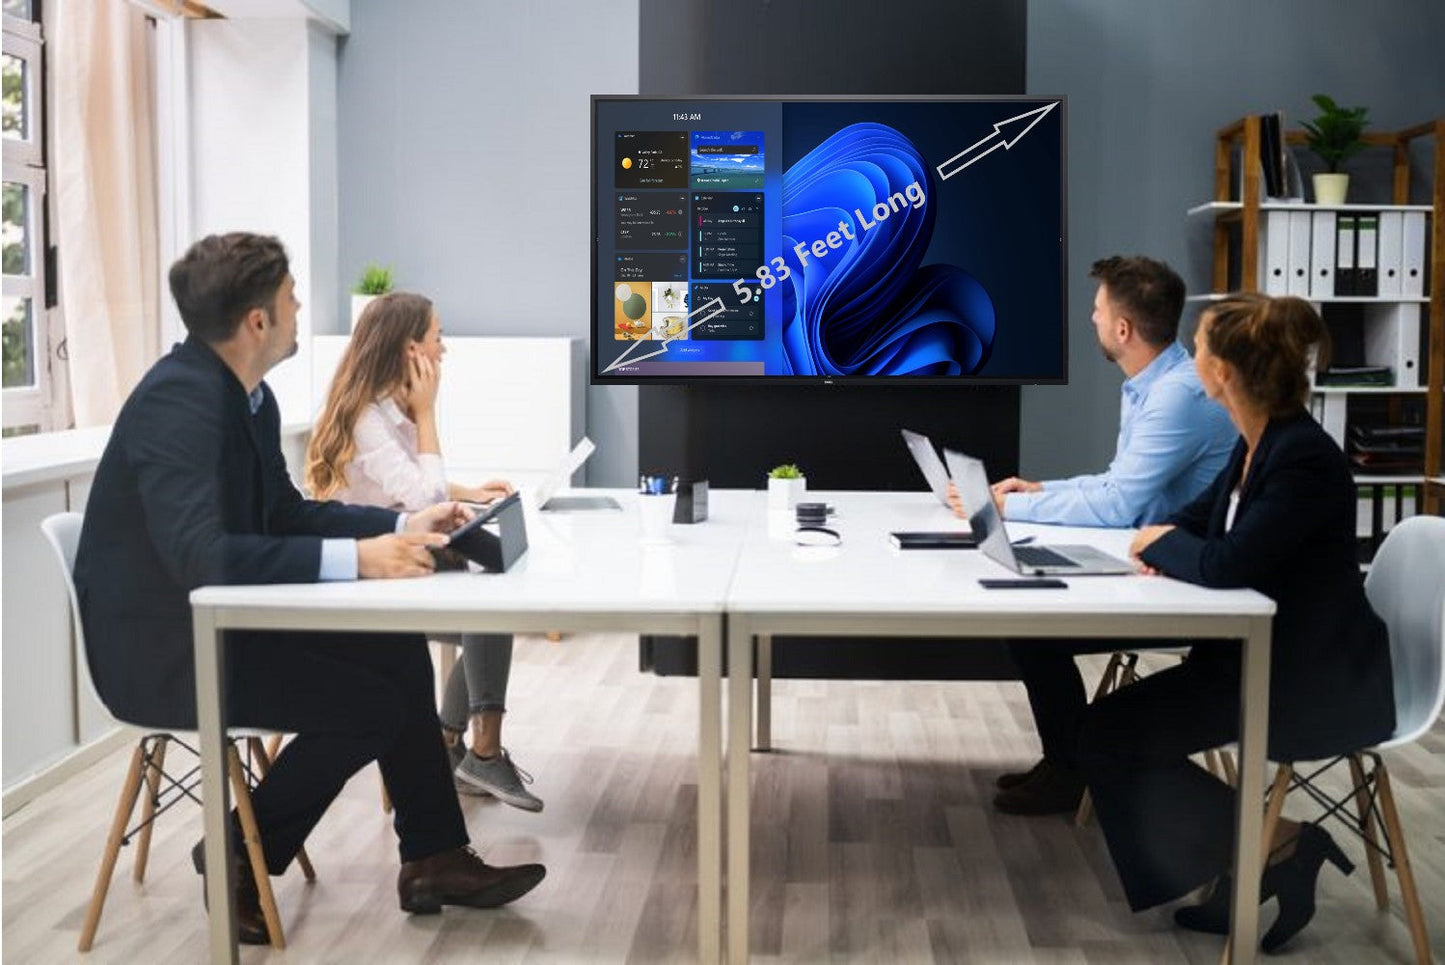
(375, 280)
(786, 485)
(1334, 137)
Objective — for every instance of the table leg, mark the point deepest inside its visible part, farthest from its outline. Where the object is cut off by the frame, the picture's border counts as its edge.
(739, 790)
(709, 791)
(1253, 741)
(210, 712)
(765, 692)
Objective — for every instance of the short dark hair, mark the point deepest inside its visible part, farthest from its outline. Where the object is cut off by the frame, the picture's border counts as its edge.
(1149, 292)
(1270, 342)
(222, 277)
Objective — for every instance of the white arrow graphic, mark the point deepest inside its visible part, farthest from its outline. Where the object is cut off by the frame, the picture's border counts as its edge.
(718, 302)
(1005, 135)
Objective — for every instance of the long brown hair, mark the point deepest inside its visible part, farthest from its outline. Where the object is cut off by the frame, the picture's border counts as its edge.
(1269, 342)
(372, 367)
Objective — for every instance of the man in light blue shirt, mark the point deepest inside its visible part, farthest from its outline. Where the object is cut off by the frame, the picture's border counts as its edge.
(1173, 441)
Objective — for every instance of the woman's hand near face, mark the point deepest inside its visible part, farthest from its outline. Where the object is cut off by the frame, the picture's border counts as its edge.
(423, 381)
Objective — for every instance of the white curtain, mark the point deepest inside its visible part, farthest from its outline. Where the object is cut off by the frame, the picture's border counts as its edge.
(104, 171)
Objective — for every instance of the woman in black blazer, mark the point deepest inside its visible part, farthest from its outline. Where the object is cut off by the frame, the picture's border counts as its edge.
(1280, 519)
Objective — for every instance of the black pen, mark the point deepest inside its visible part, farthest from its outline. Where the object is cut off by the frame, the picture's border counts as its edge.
(1024, 541)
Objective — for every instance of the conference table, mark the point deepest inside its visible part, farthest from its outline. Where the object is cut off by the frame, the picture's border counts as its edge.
(865, 586)
(738, 575)
(584, 572)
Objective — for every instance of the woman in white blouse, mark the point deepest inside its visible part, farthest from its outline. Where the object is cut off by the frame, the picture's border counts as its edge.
(376, 443)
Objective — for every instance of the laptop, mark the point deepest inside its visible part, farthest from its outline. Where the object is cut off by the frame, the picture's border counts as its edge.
(921, 448)
(548, 501)
(1034, 560)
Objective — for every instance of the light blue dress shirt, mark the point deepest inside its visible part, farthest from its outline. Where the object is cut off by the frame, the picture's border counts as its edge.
(338, 556)
(1173, 441)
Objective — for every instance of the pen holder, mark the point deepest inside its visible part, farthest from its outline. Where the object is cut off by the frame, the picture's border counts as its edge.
(654, 514)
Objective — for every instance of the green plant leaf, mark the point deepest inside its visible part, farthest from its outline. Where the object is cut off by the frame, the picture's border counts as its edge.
(1335, 135)
(375, 280)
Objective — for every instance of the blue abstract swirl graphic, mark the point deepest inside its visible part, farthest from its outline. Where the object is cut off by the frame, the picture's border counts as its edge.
(871, 307)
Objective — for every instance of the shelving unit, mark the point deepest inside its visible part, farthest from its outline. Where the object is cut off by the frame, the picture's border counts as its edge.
(1238, 229)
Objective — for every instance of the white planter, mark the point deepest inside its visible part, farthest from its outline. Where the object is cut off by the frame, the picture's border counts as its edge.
(783, 494)
(358, 305)
(1331, 188)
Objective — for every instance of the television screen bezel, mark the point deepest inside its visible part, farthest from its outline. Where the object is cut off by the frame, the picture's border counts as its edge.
(958, 381)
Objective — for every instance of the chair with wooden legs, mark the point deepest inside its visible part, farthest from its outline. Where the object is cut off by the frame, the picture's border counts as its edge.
(158, 790)
(1406, 587)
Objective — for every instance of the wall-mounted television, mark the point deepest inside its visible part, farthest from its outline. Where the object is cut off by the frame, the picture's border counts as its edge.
(905, 240)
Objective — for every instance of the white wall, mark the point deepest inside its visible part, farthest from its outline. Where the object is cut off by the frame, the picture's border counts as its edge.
(263, 141)
(465, 144)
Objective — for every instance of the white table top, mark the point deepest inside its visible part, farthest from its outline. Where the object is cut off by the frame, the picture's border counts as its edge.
(745, 559)
(867, 574)
(593, 561)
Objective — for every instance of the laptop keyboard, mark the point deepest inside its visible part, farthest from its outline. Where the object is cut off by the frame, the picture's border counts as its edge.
(1041, 556)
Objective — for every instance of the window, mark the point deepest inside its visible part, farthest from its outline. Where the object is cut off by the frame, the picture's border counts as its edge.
(24, 313)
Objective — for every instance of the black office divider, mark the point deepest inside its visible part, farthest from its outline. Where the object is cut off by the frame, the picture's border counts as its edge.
(844, 437)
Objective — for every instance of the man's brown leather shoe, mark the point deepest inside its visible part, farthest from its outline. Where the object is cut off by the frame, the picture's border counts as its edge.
(461, 877)
(1050, 790)
(250, 923)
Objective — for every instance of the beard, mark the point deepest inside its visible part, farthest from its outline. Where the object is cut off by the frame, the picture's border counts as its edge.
(1108, 353)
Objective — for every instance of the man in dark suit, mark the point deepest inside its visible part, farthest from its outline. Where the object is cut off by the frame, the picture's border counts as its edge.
(193, 490)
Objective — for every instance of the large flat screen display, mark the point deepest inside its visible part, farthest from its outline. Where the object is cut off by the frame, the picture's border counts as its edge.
(898, 240)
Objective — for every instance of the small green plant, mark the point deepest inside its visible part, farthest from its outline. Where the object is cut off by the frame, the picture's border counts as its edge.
(787, 470)
(375, 280)
(1334, 136)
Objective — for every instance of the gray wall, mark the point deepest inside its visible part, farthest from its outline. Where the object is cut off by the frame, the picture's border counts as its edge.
(464, 153)
(464, 164)
(1148, 84)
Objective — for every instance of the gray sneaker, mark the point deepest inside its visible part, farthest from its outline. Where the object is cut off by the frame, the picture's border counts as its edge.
(499, 777)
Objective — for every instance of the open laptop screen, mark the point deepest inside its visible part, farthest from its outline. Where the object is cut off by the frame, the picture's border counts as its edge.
(921, 448)
(972, 482)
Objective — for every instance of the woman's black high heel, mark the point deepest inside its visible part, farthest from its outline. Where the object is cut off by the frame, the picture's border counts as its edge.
(1294, 883)
(1292, 879)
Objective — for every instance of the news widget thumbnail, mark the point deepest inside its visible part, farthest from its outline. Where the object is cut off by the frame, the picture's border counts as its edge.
(654, 310)
(727, 160)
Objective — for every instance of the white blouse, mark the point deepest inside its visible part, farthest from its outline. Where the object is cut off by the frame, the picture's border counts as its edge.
(387, 471)
(1233, 508)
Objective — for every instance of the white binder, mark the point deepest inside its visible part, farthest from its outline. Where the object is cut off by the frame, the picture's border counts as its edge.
(1391, 239)
(1332, 415)
(1299, 254)
(1394, 340)
(1412, 254)
(1322, 255)
(1274, 254)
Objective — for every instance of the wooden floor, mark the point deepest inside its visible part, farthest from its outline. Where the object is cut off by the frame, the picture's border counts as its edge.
(874, 841)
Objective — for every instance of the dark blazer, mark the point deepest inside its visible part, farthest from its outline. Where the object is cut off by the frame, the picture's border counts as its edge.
(1293, 540)
(192, 490)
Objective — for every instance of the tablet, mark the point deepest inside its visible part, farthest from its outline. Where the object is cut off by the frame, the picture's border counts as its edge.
(471, 525)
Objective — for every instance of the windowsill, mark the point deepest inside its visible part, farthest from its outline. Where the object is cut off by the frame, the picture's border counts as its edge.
(52, 456)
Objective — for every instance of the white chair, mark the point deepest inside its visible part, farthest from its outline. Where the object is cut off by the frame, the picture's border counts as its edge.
(164, 789)
(1406, 586)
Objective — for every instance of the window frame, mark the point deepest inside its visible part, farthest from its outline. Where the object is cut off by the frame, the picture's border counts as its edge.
(24, 163)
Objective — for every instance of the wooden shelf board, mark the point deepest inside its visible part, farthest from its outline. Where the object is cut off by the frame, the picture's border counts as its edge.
(1233, 207)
